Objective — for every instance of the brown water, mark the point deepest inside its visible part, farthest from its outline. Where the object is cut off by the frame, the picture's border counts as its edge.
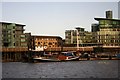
(72, 69)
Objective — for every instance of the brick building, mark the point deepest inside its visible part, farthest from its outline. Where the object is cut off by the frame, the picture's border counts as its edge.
(44, 42)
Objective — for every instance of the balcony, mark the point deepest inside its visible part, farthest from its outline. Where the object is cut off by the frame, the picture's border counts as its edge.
(20, 29)
(6, 41)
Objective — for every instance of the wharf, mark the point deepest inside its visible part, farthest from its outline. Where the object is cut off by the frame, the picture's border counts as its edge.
(21, 54)
(59, 49)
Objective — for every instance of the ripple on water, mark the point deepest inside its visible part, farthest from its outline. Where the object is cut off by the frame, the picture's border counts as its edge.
(73, 69)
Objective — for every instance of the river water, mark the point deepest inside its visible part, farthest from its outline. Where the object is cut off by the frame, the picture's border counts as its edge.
(71, 69)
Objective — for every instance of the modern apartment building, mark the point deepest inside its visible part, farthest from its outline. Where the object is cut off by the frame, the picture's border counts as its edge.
(29, 41)
(12, 35)
(94, 27)
(109, 30)
(44, 42)
(84, 37)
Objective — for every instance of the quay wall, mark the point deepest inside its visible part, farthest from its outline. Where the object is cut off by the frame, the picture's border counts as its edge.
(13, 54)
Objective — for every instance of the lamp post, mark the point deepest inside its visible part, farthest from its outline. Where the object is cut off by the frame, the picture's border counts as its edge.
(77, 33)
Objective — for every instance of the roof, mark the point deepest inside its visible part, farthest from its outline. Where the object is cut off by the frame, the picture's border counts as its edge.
(12, 23)
(107, 19)
(46, 36)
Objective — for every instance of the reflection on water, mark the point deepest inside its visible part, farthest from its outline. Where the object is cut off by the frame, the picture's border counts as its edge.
(103, 62)
(72, 69)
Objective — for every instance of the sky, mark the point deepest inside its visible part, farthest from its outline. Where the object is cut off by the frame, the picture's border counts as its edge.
(119, 10)
(53, 18)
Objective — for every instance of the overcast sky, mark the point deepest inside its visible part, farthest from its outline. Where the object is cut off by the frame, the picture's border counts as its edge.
(53, 18)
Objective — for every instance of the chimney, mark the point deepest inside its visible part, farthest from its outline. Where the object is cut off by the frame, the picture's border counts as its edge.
(109, 14)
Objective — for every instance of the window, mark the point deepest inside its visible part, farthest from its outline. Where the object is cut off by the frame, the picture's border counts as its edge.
(44, 43)
(50, 43)
(9, 36)
(22, 35)
(102, 22)
(22, 40)
(108, 22)
(8, 31)
(114, 22)
(38, 42)
(14, 44)
(13, 27)
(24, 44)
